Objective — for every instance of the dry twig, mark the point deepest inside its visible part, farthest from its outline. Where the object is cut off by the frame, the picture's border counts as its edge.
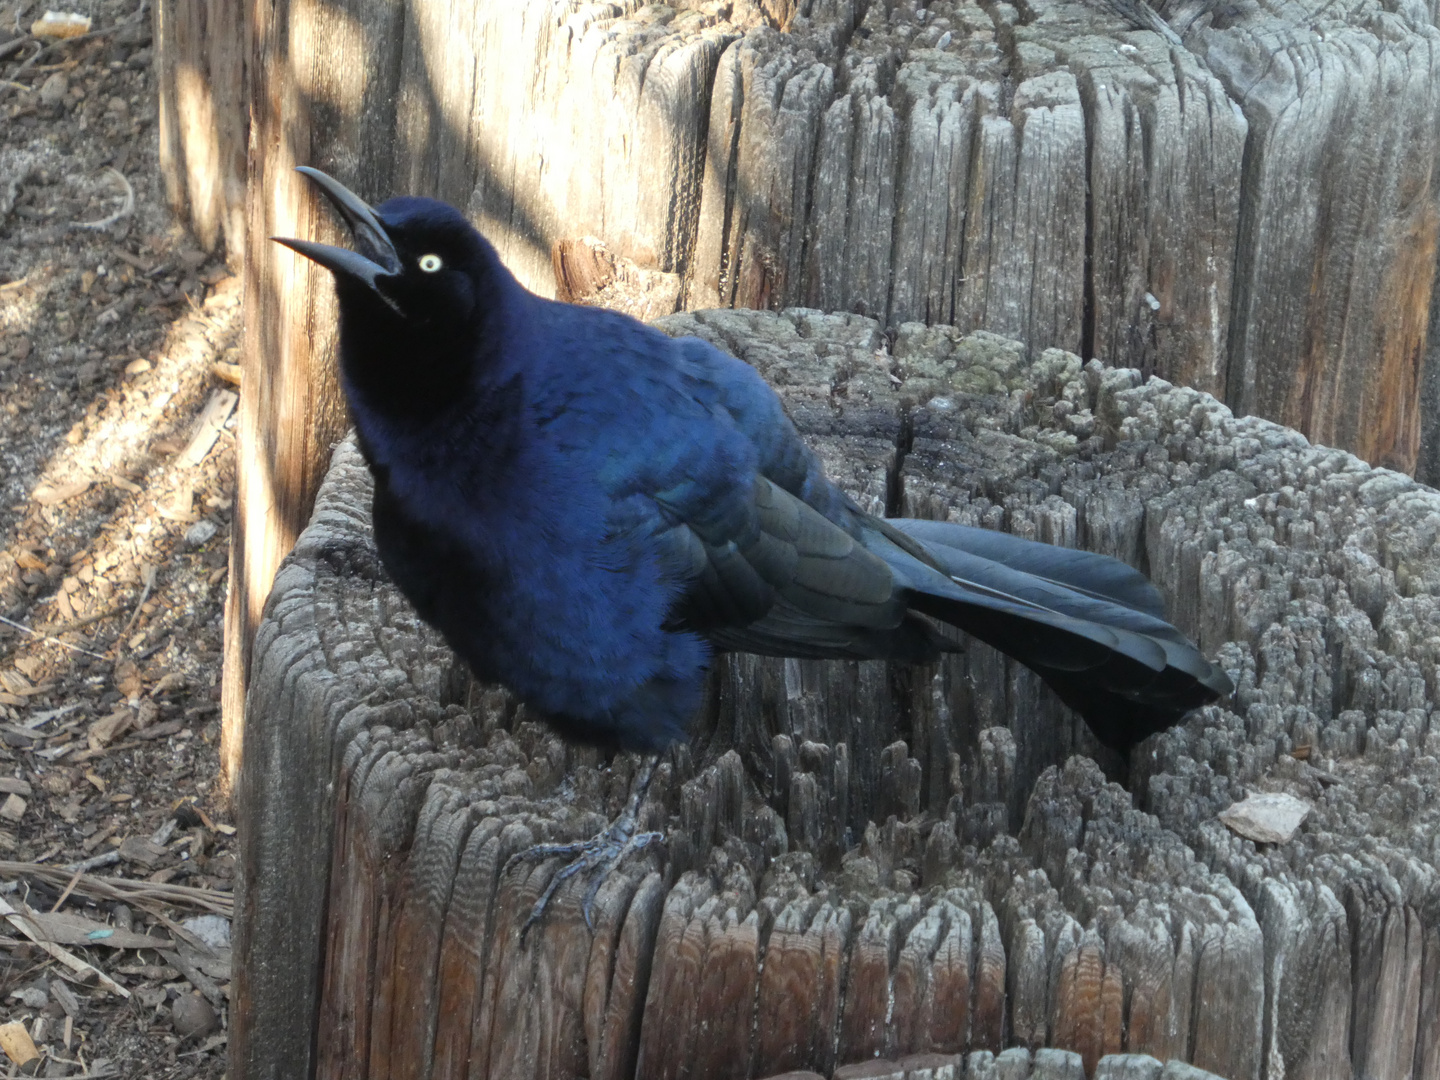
(136, 892)
(47, 637)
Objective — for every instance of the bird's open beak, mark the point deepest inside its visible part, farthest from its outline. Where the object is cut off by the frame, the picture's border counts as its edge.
(375, 258)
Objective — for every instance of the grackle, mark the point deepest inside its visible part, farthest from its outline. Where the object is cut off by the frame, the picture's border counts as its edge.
(588, 510)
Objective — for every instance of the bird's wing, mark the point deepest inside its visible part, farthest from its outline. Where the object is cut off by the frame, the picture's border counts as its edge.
(788, 579)
(686, 469)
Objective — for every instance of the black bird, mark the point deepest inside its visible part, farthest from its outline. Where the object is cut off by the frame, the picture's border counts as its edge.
(588, 510)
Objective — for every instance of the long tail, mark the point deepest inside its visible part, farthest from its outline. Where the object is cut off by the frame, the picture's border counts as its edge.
(1093, 628)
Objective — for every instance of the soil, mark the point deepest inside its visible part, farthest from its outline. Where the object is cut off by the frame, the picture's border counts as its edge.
(116, 479)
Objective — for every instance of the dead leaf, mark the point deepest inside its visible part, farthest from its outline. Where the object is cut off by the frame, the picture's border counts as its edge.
(30, 665)
(16, 683)
(17, 1044)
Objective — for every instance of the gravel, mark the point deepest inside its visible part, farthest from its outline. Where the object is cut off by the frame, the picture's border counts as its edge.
(113, 559)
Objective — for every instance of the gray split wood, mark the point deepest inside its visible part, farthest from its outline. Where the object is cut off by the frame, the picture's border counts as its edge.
(1246, 204)
(864, 861)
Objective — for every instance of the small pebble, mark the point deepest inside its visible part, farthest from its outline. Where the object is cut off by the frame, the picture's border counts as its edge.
(32, 997)
(1267, 817)
(213, 930)
(54, 89)
(201, 533)
(193, 1017)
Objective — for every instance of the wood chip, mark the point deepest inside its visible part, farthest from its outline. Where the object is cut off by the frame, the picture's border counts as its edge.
(195, 977)
(9, 785)
(53, 495)
(127, 673)
(207, 428)
(17, 1044)
(66, 997)
(60, 24)
(134, 260)
(43, 688)
(13, 808)
(109, 728)
(180, 506)
(139, 850)
(159, 731)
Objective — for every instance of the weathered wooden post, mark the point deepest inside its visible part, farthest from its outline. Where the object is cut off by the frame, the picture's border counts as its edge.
(1250, 211)
(868, 862)
(200, 74)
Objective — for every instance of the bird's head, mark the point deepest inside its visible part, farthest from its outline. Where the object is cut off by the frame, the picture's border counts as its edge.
(419, 258)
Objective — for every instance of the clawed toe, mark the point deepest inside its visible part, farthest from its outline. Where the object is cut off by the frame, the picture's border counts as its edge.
(595, 858)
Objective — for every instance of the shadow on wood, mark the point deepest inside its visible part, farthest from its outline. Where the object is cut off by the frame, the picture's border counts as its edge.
(866, 861)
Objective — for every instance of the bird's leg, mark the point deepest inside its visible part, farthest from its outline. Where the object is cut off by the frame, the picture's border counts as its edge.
(596, 857)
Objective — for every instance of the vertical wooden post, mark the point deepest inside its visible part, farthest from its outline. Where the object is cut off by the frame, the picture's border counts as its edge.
(322, 85)
(322, 82)
(200, 75)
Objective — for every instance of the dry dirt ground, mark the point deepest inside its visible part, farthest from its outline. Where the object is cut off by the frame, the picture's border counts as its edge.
(115, 489)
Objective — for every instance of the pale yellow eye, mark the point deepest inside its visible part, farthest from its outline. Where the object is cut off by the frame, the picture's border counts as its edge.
(430, 263)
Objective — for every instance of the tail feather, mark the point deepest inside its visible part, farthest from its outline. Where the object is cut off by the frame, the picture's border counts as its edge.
(1083, 571)
(1090, 626)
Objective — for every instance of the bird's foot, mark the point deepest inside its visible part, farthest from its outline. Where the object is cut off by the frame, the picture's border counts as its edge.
(595, 858)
